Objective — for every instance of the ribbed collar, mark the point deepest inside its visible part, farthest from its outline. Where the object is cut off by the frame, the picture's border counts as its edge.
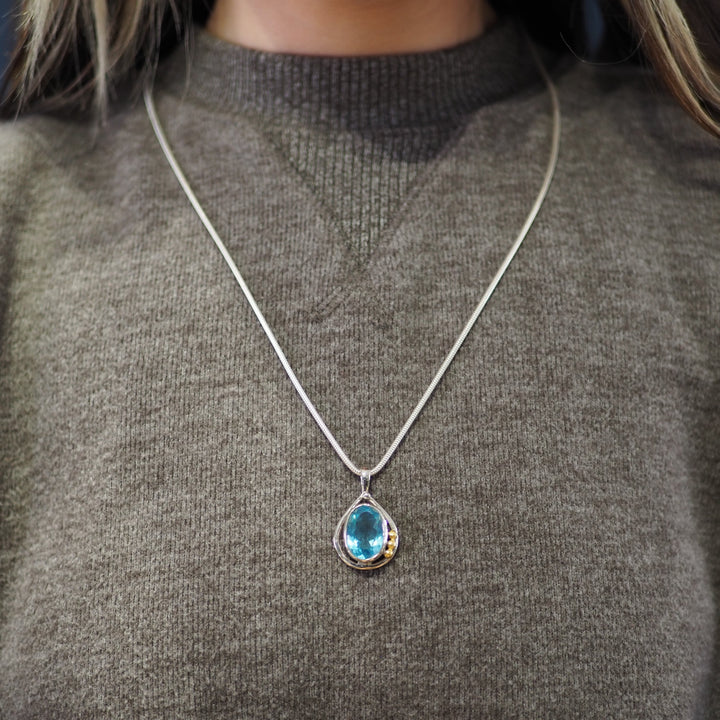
(380, 91)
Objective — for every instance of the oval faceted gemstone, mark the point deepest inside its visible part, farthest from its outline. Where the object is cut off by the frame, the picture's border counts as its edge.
(365, 533)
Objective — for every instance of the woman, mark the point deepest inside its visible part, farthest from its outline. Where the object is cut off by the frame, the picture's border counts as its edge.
(169, 503)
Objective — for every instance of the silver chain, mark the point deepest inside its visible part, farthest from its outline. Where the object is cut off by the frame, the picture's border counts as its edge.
(552, 163)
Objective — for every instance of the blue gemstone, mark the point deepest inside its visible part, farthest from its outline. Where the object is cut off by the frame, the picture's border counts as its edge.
(365, 533)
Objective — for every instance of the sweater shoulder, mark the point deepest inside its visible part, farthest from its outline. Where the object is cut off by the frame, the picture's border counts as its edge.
(28, 144)
(626, 105)
(66, 143)
(630, 147)
(48, 163)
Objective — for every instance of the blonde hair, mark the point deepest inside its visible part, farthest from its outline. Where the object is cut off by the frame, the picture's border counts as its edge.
(672, 47)
(76, 53)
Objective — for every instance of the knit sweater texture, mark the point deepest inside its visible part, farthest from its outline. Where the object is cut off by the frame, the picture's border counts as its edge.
(166, 501)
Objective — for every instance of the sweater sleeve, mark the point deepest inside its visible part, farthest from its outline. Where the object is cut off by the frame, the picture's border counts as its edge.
(23, 167)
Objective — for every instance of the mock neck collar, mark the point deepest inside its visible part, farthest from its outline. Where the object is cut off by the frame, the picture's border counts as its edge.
(376, 91)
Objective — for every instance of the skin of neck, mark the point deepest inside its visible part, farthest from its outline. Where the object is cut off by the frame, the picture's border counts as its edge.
(349, 27)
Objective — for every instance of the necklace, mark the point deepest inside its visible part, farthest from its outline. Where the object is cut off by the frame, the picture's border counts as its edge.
(366, 536)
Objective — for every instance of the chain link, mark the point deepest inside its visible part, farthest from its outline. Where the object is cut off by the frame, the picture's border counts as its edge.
(355, 469)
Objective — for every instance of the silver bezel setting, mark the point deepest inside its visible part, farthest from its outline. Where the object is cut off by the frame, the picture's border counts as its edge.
(386, 554)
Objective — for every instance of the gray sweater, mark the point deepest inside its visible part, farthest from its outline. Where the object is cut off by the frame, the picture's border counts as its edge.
(167, 503)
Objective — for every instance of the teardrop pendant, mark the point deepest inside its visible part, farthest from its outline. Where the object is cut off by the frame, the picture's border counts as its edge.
(366, 536)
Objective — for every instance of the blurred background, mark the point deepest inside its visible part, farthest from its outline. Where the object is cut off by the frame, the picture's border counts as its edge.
(7, 23)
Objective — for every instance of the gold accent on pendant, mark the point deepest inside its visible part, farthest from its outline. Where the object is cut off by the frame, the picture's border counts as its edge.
(392, 543)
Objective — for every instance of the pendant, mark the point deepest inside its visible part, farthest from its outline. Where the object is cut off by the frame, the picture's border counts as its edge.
(366, 536)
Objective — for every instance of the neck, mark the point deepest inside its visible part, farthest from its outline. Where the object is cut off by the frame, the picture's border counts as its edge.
(349, 27)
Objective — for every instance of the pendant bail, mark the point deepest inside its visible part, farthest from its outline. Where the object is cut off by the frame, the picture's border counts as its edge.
(365, 480)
